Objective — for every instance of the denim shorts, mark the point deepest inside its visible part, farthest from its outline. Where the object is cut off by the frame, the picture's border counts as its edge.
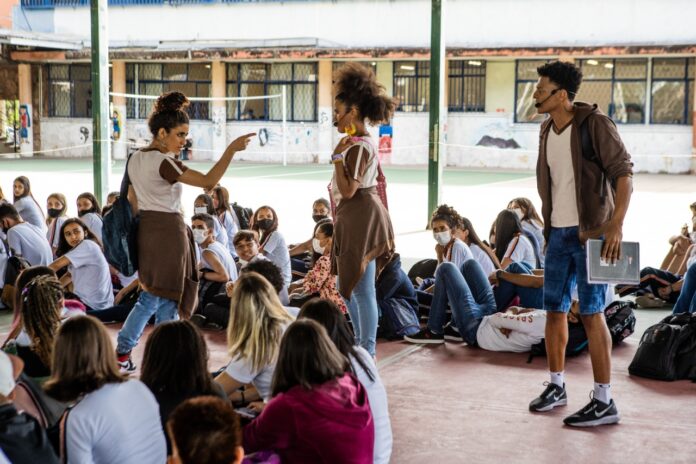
(566, 266)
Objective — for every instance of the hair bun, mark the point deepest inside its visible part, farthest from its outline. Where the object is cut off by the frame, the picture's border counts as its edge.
(171, 101)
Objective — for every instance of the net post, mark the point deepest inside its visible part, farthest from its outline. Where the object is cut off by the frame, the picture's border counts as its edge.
(285, 126)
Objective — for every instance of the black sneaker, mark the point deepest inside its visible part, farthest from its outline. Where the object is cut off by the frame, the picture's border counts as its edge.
(551, 397)
(452, 334)
(595, 413)
(425, 336)
(126, 367)
(198, 320)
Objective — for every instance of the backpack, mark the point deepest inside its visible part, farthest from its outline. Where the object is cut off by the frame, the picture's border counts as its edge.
(667, 350)
(577, 343)
(424, 269)
(621, 320)
(15, 265)
(120, 232)
(243, 215)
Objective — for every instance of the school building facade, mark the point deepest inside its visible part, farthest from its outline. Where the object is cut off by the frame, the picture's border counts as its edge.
(638, 60)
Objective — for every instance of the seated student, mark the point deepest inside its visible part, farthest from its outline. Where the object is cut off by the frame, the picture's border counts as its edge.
(656, 288)
(481, 252)
(470, 298)
(530, 220)
(57, 207)
(23, 440)
(321, 211)
(107, 406)
(319, 281)
(24, 239)
(319, 413)
(686, 303)
(397, 302)
(88, 272)
(124, 302)
(225, 215)
(217, 265)
(246, 244)
(521, 282)
(272, 241)
(254, 331)
(110, 199)
(362, 366)
(205, 430)
(511, 245)
(26, 205)
(204, 205)
(169, 347)
(89, 212)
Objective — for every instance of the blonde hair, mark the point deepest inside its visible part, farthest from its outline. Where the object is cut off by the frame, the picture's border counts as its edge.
(257, 321)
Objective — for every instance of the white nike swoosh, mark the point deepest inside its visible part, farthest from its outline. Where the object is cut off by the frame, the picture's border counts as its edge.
(601, 413)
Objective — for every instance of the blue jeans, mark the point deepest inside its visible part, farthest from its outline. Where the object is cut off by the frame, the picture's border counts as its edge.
(566, 265)
(506, 291)
(147, 305)
(469, 295)
(686, 303)
(363, 310)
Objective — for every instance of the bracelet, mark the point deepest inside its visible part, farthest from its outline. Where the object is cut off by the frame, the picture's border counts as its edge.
(337, 158)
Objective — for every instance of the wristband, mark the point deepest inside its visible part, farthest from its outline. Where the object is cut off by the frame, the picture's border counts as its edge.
(337, 158)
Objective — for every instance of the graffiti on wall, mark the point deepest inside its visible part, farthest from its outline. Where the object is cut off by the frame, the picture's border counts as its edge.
(24, 123)
(84, 134)
(116, 125)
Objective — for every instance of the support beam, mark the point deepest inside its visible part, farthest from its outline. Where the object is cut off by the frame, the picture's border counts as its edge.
(219, 108)
(438, 110)
(325, 112)
(100, 98)
(118, 77)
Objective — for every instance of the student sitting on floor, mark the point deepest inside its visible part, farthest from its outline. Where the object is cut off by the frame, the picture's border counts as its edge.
(530, 220)
(656, 288)
(205, 430)
(108, 409)
(319, 281)
(518, 281)
(225, 215)
(481, 252)
(24, 239)
(319, 413)
(272, 241)
(254, 331)
(57, 207)
(175, 367)
(511, 245)
(246, 244)
(321, 211)
(204, 205)
(88, 272)
(362, 366)
(26, 205)
(686, 303)
(89, 211)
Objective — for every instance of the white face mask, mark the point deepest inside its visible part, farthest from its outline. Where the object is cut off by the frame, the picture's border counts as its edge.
(200, 210)
(199, 235)
(443, 238)
(518, 212)
(317, 247)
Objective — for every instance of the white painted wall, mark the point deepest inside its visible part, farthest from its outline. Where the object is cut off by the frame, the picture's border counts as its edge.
(401, 23)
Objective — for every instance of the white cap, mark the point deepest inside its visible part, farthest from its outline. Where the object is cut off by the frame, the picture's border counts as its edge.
(7, 381)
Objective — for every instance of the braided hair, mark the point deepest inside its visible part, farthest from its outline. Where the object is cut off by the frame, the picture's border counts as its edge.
(41, 305)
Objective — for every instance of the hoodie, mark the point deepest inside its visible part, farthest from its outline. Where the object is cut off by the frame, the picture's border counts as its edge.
(593, 180)
(330, 423)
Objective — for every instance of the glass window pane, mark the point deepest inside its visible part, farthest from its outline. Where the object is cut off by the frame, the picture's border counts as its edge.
(629, 102)
(474, 94)
(596, 92)
(527, 69)
(199, 72)
(80, 72)
(57, 71)
(455, 90)
(150, 72)
(60, 98)
(692, 65)
(233, 105)
(281, 72)
(82, 95)
(306, 72)
(130, 71)
(669, 68)
(404, 68)
(275, 105)
(668, 100)
(232, 72)
(525, 109)
(174, 72)
(304, 106)
(456, 67)
(146, 106)
(252, 109)
(423, 68)
(631, 69)
(130, 102)
(690, 104)
(253, 72)
(596, 69)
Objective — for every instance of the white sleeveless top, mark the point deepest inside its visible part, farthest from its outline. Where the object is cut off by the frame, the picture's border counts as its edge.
(362, 167)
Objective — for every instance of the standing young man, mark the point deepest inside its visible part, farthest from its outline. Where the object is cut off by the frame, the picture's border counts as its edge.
(582, 197)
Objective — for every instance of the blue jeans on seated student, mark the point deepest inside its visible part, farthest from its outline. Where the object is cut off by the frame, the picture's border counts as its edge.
(148, 305)
(686, 303)
(469, 295)
(363, 310)
(566, 263)
(506, 291)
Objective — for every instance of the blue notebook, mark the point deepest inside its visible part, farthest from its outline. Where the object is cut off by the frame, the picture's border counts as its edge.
(624, 271)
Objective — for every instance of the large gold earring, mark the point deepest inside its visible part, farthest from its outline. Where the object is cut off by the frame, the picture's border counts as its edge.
(351, 131)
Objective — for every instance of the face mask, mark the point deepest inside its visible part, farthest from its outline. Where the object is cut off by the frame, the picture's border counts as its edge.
(265, 224)
(443, 238)
(81, 213)
(200, 210)
(199, 235)
(518, 212)
(53, 213)
(317, 247)
(318, 217)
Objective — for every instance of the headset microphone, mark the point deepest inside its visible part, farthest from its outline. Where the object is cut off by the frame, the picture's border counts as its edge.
(553, 92)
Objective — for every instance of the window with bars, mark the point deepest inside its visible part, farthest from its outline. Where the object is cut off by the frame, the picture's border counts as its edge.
(69, 91)
(263, 79)
(617, 86)
(368, 64)
(467, 86)
(412, 85)
(154, 79)
(525, 83)
(672, 91)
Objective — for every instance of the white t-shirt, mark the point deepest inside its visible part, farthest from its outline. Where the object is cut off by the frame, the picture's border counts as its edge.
(483, 259)
(560, 162)
(527, 330)
(30, 212)
(119, 423)
(241, 371)
(232, 228)
(154, 177)
(90, 275)
(220, 232)
(53, 233)
(94, 222)
(276, 250)
(362, 167)
(459, 253)
(223, 255)
(30, 242)
(377, 395)
(521, 250)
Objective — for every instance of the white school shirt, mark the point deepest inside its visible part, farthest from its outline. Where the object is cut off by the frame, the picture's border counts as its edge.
(118, 423)
(362, 167)
(521, 250)
(564, 211)
(90, 275)
(277, 251)
(54, 231)
(483, 259)
(527, 330)
(94, 222)
(30, 242)
(232, 228)
(459, 253)
(224, 256)
(30, 212)
(154, 177)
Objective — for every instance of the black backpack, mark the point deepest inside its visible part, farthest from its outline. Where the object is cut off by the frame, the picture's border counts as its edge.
(667, 350)
(243, 215)
(424, 269)
(577, 343)
(621, 320)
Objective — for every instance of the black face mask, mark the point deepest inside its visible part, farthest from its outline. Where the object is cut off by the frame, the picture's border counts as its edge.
(319, 217)
(54, 213)
(82, 213)
(265, 224)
